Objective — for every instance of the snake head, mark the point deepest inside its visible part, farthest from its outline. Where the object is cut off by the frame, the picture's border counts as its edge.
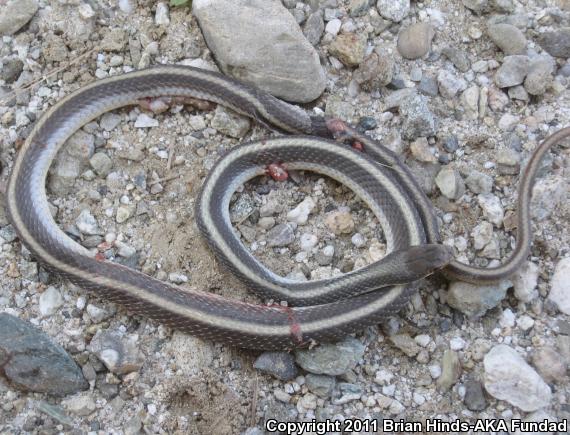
(423, 260)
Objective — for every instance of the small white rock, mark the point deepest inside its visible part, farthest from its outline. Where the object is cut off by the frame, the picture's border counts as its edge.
(333, 26)
(358, 240)
(525, 322)
(507, 319)
(300, 214)
(456, 343)
(145, 121)
(308, 241)
(560, 286)
(161, 17)
(525, 281)
(50, 301)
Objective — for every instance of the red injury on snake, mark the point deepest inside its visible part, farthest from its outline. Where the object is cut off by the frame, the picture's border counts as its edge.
(100, 256)
(294, 326)
(277, 171)
(357, 145)
(336, 126)
(341, 131)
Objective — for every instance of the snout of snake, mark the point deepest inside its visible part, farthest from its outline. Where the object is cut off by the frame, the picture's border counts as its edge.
(377, 176)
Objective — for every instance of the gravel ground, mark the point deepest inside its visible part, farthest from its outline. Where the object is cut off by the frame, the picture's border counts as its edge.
(464, 91)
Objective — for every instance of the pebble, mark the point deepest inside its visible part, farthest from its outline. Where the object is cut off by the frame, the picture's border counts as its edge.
(87, 224)
(340, 222)
(31, 361)
(331, 359)
(321, 385)
(457, 57)
(450, 372)
(308, 401)
(119, 354)
(280, 365)
(512, 72)
(508, 377)
(50, 301)
(507, 319)
(177, 278)
(11, 70)
(97, 314)
(525, 322)
(560, 286)
(556, 43)
(375, 72)
(508, 38)
(348, 392)
(474, 300)
(110, 121)
(474, 398)
(415, 41)
(539, 77)
(406, 344)
(477, 6)
(428, 86)
(525, 281)
(333, 27)
(266, 223)
(125, 250)
(393, 10)
(457, 343)
(242, 208)
(358, 8)
(308, 241)
(161, 16)
(349, 48)
(492, 208)
(450, 183)
(358, 240)
(482, 235)
(498, 100)
(145, 121)
(280, 235)
(470, 100)
(550, 365)
(416, 74)
(123, 214)
(80, 404)
(478, 182)
(282, 396)
(418, 119)
(449, 84)
(314, 27)
(450, 144)
(518, 93)
(300, 214)
(421, 151)
(230, 123)
(101, 164)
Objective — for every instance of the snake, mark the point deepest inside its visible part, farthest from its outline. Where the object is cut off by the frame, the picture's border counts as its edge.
(302, 313)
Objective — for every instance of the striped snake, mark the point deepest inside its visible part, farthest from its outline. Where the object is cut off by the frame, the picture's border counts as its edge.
(320, 310)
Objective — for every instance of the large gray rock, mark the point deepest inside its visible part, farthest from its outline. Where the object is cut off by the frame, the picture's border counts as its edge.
(508, 377)
(512, 72)
(331, 359)
(260, 42)
(30, 361)
(556, 43)
(15, 14)
(508, 38)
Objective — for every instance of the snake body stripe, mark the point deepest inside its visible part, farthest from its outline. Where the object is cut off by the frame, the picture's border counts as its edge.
(210, 316)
